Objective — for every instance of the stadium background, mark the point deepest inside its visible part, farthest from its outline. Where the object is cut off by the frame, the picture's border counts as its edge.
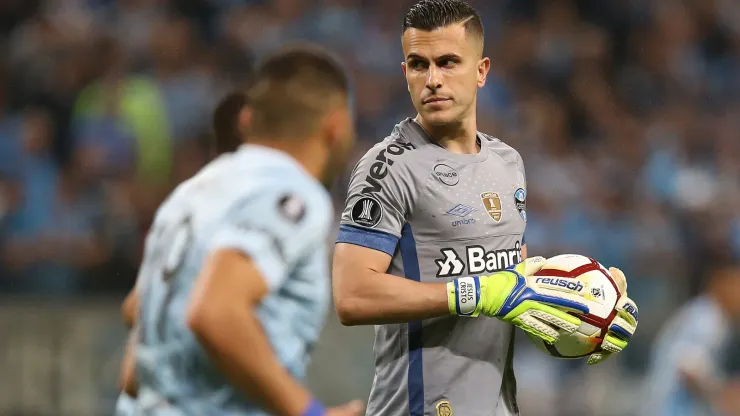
(626, 113)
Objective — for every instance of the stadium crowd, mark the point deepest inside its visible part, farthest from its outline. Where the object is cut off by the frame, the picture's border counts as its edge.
(626, 114)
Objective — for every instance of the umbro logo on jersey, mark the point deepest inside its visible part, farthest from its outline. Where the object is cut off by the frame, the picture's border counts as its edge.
(367, 212)
(478, 260)
(460, 210)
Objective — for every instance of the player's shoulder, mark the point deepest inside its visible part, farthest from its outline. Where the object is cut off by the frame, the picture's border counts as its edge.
(302, 199)
(704, 318)
(271, 180)
(208, 180)
(176, 201)
(403, 153)
(256, 169)
(502, 149)
(394, 150)
(250, 180)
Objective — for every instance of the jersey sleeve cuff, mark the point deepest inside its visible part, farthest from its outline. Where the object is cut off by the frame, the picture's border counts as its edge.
(374, 239)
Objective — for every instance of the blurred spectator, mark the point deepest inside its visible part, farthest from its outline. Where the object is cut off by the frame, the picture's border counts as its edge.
(52, 237)
(184, 83)
(137, 103)
(687, 375)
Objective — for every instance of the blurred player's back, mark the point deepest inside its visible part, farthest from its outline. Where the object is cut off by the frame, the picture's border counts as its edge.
(171, 365)
(170, 361)
(234, 283)
(228, 118)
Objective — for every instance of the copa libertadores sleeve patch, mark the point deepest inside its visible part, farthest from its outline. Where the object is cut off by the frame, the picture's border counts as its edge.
(292, 208)
(367, 212)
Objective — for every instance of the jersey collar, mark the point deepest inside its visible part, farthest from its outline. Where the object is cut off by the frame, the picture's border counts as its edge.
(410, 129)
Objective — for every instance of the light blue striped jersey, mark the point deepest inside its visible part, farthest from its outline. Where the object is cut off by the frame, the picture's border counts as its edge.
(697, 335)
(261, 202)
(125, 405)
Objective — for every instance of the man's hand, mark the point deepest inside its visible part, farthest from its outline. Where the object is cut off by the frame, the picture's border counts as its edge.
(622, 327)
(507, 295)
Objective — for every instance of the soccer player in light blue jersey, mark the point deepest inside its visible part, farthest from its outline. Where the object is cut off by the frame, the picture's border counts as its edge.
(229, 122)
(233, 288)
(686, 372)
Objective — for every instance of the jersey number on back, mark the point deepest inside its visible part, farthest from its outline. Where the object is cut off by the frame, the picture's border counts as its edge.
(170, 244)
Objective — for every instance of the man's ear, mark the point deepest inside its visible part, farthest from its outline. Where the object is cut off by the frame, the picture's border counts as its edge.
(243, 121)
(331, 126)
(484, 65)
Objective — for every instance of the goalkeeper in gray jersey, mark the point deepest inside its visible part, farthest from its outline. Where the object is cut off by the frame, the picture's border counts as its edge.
(434, 214)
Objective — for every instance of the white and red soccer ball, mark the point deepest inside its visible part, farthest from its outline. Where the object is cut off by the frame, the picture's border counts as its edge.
(596, 288)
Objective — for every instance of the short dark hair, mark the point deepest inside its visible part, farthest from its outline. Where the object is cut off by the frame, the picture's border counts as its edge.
(228, 137)
(428, 15)
(293, 89)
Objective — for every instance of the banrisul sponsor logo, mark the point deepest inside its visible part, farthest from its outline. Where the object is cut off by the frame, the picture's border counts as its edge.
(482, 261)
(477, 259)
(383, 161)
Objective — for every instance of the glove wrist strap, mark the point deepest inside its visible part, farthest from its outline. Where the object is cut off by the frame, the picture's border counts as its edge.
(463, 296)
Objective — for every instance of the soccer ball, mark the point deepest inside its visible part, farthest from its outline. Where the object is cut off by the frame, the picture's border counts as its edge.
(599, 291)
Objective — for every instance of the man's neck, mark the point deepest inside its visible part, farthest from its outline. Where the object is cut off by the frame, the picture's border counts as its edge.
(303, 151)
(718, 296)
(460, 137)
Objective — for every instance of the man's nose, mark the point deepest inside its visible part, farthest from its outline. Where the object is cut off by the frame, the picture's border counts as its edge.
(434, 80)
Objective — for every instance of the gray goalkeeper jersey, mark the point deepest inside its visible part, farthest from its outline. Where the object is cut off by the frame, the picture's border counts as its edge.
(440, 215)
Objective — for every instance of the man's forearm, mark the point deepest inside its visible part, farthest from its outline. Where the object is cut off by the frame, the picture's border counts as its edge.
(236, 343)
(365, 296)
(129, 308)
(128, 365)
(380, 298)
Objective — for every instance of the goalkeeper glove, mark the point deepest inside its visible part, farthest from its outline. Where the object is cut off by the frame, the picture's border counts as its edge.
(508, 296)
(622, 327)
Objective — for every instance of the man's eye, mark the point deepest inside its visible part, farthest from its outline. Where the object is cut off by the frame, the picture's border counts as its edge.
(448, 63)
(417, 65)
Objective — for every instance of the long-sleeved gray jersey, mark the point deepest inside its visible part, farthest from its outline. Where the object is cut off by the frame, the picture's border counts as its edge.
(440, 215)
